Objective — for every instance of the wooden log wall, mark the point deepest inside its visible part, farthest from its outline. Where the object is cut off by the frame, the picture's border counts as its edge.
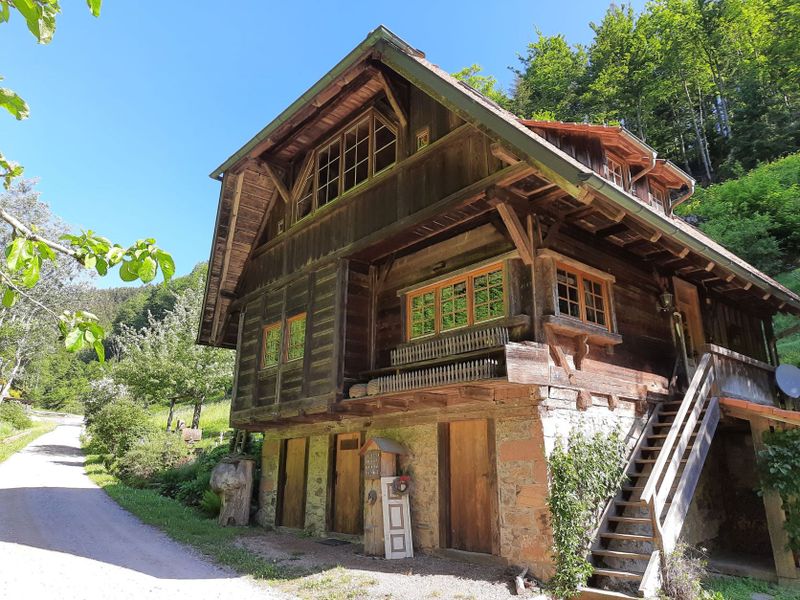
(733, 328)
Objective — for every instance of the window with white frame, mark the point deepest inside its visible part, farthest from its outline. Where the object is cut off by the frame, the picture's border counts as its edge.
(615, 171)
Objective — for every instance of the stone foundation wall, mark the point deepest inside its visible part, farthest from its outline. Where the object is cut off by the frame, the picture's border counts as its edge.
(525, 536)
(317, 484)
(423, 465)
(268, 485)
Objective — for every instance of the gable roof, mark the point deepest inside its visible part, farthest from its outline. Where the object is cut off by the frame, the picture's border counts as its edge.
(499, 125)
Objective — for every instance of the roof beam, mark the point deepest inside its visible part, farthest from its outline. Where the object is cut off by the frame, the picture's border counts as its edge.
(276, 181)
(391, 96)
(514, 226)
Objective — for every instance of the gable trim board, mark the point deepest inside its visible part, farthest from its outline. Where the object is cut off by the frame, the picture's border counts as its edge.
(503, 127)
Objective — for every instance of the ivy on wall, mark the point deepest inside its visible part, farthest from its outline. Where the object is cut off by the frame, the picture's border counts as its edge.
(779, 464)
(584, 474)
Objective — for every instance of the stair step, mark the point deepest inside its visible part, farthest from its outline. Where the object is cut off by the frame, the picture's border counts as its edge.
(626, 537)
(620, 554)
(628, 503)
(619, 574)
(632, 488)
(651, 461)
(662, 436)
(672, 413)
(636, 520)
(588, 593)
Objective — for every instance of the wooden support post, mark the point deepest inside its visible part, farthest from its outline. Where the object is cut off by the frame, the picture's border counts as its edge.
(276, 181)
(515, 230)
(776, 518)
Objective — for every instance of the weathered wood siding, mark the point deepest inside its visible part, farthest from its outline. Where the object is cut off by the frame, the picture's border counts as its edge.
(318, 295)
(734, 328)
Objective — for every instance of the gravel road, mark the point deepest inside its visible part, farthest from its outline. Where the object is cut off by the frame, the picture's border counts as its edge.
(63, 538)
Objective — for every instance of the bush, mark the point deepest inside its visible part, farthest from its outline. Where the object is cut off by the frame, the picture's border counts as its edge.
(189, 482)
(681, 577)
(211, 503)
(14, 413)
(779, 464)
(102, 392)
(117, 426)
(156, 452)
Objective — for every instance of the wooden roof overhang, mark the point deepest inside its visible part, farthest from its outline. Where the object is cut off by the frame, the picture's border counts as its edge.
(602, 208)
(244, 205)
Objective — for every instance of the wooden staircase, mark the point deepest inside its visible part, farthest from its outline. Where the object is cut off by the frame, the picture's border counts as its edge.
(643, 521)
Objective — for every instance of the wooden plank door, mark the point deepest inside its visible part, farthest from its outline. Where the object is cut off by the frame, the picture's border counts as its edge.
(396, 521)
(347, 484)
(293, 497)
(687, 302)
(471, 485)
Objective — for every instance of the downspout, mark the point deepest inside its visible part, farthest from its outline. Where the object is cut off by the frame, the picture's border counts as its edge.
(682, 198)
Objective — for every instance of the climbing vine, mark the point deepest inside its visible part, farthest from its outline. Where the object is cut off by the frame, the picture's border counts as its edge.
(584, 473)
(779, 463)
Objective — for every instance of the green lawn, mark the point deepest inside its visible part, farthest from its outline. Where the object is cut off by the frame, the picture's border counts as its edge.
(213, 418)
(185, 525)
(734, 588)
(9, 447)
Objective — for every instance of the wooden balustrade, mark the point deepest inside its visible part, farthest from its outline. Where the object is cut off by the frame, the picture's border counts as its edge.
(459, 343)
(472, 370)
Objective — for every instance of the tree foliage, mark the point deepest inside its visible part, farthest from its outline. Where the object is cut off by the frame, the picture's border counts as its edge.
(711, 83)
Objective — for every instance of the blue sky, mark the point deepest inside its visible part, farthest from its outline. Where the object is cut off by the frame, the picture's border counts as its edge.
(130, 112)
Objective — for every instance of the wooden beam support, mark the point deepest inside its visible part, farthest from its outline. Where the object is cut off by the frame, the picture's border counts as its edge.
(514, 226)
(776, 518)
(503, 154)
(496, 194)
(276, 181)
(391, 96)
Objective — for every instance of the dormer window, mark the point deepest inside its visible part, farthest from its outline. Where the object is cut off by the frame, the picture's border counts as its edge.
(658, 197)
(361, 150)
(616, 171)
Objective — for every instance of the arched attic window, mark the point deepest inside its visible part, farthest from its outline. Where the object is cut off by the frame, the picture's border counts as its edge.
(362, 149)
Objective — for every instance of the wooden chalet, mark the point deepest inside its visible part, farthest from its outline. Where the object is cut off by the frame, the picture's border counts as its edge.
(397, 256)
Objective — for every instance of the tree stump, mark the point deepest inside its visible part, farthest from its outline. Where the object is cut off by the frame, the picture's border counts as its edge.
(232, 479)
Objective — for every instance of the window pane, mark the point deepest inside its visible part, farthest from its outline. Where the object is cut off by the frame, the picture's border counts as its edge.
(454, 305)
(385, 146)
(305, 200)
(595, 302)
(488, 295)
(356, 154)
(567, 284)
(297, 338)
(328, 159)
(272, 345)
(423, 314)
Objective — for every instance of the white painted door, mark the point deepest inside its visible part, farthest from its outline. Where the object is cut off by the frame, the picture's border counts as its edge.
(396, 522)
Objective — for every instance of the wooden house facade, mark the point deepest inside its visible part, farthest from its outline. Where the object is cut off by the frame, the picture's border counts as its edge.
(396, 256)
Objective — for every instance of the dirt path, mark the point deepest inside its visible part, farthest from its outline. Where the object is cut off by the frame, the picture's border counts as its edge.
(62, 537)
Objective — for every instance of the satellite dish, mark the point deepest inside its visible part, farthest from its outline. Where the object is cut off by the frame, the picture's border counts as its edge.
(788, 379)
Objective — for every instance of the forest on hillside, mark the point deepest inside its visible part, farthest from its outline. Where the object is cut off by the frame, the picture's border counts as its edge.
(714, 85)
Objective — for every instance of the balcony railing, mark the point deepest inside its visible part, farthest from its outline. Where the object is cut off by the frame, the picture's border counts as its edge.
(463, 342)
(473, 370)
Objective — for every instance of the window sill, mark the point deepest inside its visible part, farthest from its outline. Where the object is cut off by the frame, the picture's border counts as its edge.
(569, 327)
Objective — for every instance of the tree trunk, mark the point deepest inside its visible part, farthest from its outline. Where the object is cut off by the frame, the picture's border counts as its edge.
(171, 412)
(198, 406)
(5, 391)
(698, 134)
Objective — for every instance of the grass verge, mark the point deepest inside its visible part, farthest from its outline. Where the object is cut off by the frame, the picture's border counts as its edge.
(214, 419)
(186, 525)
(735, 588)
(10, 446)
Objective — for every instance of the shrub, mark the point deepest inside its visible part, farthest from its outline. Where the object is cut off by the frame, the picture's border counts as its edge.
(211, 503)
(779, 463)
(682, 575)
(156, 452)
(14, 413)
(188, 483)
(102, 392)
(583, 475)
(117, 426)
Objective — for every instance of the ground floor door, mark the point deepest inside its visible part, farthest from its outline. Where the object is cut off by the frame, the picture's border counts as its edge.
(293, 496)
(347, 499)
(687, 303)
(471, 486)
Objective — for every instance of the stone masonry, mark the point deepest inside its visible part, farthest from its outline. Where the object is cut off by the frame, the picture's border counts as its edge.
(268, 485)
(317, 484)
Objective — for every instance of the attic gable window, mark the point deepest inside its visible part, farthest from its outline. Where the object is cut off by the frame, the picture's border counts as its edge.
(615, 171)
(362, 149)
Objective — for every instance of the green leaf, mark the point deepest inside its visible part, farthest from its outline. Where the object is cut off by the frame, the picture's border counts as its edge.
(89, 337)
(74, 340)
(166, 263)
(147, 269)
(18, 253)
(102, 267)
(5, 12)
(128, 271)
(9, 298)
(11, 101)
(45, 251)
(30, 275)
(90, 262)
(94, 6)
(100, 350)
